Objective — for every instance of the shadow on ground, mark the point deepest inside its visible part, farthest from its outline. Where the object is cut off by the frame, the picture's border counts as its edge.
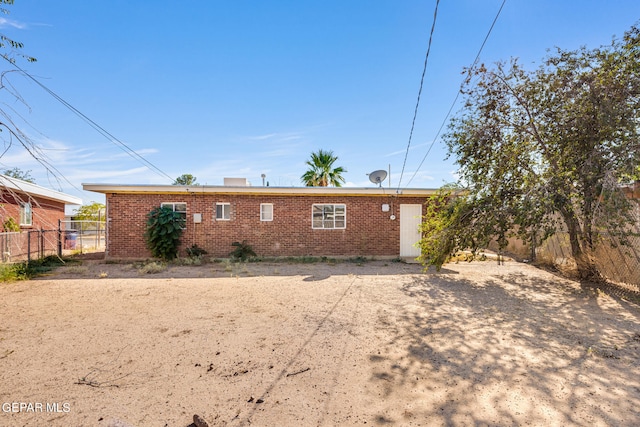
(510, 350)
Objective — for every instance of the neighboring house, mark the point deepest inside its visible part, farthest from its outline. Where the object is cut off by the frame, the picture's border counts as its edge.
(31, 206)
(275, 221)
(29, 217)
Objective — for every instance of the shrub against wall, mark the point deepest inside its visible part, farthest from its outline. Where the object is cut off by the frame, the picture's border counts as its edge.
(9, 225)
(164, 228)
(369, 229)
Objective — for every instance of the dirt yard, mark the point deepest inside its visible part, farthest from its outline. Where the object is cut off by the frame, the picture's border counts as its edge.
(376, 343)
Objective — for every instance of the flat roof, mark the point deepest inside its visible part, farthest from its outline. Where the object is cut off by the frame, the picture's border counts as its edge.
(37, 190)
(288, 191)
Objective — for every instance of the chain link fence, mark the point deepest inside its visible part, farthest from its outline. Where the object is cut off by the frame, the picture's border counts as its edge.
(83, 236)
(618, 261)
(29, 244)
(70, 237)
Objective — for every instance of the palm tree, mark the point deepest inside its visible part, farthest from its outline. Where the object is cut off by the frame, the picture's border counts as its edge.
(320, 173)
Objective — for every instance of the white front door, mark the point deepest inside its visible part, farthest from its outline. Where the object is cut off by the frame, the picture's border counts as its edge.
(410, 218)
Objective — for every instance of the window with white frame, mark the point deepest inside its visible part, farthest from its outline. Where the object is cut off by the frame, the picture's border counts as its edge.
(329, 216)
(223, 211)
(26, 214)
(180, 208)
(266, 211)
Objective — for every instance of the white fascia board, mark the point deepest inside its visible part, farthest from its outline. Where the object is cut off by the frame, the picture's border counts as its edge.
(220, 189)
(36, 190)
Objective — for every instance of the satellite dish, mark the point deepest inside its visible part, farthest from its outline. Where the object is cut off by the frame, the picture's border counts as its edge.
(378, 176)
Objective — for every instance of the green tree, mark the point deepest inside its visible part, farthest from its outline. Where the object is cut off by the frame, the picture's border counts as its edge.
(20, 174)
(163, 232)
(92, 212)
(9, 48)
(185, 179)
(544, 150)
(321, 172)
(9, 131)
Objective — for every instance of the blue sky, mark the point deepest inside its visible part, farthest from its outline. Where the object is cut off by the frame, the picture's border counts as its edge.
(243, 88)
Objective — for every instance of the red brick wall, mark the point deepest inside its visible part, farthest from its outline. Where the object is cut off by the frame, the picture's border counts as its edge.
(45, 216)
(46, 213)
(369, 230)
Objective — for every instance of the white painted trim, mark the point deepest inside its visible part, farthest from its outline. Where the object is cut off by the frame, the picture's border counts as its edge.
(215, 211)
(263, 219)
(344, 205)
(220, 189)
(36, 190)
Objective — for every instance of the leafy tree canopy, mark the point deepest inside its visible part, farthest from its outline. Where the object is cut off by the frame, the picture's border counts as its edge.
(9, 132)
(9, 47)
(544, 150)
(91, 212)
(20, 174)
(321, 172)
(185, 179)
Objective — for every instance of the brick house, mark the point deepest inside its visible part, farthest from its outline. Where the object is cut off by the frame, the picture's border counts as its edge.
(32, 206)
(36, 211)
(275, 221)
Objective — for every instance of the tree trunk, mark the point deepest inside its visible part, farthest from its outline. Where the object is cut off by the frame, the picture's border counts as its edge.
(580, 251)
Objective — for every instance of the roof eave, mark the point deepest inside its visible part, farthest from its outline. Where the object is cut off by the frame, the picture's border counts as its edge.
(216, 189)
(31, 189)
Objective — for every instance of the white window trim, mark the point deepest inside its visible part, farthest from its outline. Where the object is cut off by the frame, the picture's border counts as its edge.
(262, 218)
(215, 213)
(23, 214)
(172, 205)
(344, 206)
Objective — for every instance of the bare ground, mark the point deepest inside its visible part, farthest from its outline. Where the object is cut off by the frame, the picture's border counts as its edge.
(377, 343)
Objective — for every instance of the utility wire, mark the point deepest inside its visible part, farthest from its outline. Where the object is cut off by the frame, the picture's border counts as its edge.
(424, 70)
(475, 62)
(14, 132)
(124, 147)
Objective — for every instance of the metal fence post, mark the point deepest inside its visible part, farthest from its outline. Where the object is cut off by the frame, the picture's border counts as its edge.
(60, 238)
(28, 246)
(41, 244)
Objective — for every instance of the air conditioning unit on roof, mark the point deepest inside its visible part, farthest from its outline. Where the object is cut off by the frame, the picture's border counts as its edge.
(236, 182)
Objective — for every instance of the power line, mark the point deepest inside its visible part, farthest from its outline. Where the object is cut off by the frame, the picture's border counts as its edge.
(424, 70)
(33, 150)
(124, 147)
(475, 62)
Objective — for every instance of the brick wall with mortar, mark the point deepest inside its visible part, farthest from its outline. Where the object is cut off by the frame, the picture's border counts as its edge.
(46, 213)
(369, 231)
(45, 216)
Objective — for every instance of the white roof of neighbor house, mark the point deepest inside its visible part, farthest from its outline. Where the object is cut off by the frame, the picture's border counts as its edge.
(36, 190)
(290, 191)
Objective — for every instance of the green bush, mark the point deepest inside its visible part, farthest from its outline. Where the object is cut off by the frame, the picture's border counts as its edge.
(11, 272)
(152, 268)
(190, 260)
(242, 252)
(195, 251)
(27, 270)
(164, 228)
(10, 224)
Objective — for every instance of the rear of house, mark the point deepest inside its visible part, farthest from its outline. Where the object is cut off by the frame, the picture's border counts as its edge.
(275, 221)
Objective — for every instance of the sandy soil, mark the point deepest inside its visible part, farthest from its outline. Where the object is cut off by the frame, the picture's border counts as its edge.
(379, 343)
